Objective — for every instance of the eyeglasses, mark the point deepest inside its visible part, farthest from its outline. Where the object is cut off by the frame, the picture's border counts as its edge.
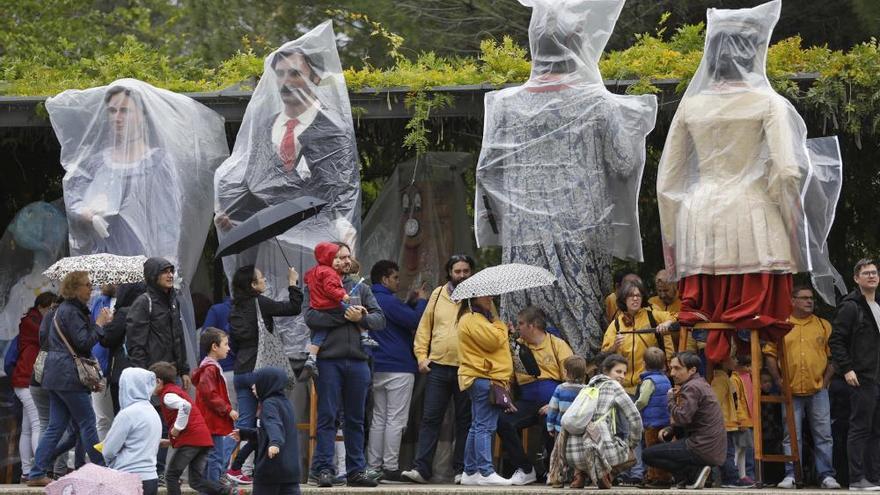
(869, 274)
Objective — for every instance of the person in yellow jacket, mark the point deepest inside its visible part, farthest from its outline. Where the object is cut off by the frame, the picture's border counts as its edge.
(809, 374)
(436, 350)
(611, 308)
(667, 300)
(535, 391)
(632, 346)
(725, 392)
(484, 362)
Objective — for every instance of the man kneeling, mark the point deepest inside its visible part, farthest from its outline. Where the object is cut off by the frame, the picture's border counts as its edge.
(694, 410)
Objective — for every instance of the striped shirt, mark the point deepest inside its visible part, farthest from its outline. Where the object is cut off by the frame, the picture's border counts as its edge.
(562, 398)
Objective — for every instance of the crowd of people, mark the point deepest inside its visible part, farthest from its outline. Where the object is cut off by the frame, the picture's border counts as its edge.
(637, 413)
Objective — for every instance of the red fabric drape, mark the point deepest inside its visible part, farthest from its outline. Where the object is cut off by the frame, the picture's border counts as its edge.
(751, 300)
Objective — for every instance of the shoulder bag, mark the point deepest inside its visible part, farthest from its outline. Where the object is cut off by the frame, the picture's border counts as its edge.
(88, 369)
(270, 350)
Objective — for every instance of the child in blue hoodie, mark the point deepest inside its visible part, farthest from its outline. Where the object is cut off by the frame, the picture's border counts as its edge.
(276, 461)
(133, 440)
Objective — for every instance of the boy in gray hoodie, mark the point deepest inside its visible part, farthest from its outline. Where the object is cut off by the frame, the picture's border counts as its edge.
(133, 440)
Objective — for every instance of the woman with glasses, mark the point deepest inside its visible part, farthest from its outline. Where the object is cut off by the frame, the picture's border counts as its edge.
(624, 335)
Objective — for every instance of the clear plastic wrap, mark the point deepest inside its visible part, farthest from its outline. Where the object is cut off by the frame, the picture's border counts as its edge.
(36, 238)
(420, 219)
(296, 139)
(560, 168)
(139, 165)
(735, 167)
(820, 202)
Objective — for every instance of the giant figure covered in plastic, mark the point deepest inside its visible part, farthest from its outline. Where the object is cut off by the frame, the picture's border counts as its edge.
(731, 185)
(296, 139)
(560, 168)
(139, 165)
(36, 238)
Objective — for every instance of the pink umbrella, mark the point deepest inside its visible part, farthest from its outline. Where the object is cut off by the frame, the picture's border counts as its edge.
(96, 480)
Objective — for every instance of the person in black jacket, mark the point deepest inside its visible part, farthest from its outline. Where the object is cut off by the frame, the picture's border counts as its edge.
(854, 342)
(153, 329)
(343, 379)
(69, 399)
(276, 468)
(248, 285)
(114, 336)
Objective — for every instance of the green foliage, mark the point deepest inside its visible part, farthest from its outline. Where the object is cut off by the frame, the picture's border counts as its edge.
(85, 43)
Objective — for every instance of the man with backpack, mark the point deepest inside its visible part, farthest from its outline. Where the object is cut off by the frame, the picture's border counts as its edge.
(544, 354)
(154, 332)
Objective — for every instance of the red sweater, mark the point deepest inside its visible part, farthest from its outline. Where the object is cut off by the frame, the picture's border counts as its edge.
(325, 285)
(28, 348)
(212, 397)
(196, 433)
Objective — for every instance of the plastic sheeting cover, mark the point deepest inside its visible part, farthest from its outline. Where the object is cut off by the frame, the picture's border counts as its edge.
(561, 164)
(420, 219)
(296, 138)
(735, 168)
(36, 238)
(820, 202)
(139, 165)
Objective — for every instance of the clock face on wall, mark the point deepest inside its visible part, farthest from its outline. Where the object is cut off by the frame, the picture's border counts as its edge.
(411, 228)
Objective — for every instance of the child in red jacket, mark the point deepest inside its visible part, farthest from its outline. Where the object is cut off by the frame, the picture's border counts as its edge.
(326, 293)
(188, 434)
(212, 399)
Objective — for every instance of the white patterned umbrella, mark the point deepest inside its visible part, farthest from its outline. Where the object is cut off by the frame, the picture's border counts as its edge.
(102, 268)
(501, 279)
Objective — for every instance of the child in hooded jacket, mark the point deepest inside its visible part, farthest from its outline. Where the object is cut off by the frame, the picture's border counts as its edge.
(132, 443)
(276, 462)
(326, 293)
(188, 434)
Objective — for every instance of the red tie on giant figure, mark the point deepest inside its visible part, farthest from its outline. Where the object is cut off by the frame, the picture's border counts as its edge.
(288, 145)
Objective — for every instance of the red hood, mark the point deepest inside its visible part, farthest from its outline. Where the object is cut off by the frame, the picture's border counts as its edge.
(325, 252)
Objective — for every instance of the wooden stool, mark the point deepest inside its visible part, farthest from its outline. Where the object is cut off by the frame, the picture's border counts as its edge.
(311, 425)
(785, 398)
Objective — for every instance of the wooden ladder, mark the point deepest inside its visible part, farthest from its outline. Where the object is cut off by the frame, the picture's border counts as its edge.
(785, 398)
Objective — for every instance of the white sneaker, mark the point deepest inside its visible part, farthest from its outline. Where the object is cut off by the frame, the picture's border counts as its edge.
(788, 483)
(457, 479)
(493, 480)
(829, 483)
(521, 478)
(701, 479)
(470, 479)
(413, 475)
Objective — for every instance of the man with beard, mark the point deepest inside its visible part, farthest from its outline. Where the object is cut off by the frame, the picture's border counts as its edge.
(436, 350)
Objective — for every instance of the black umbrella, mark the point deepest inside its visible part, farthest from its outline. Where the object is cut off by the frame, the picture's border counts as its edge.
(268, 223)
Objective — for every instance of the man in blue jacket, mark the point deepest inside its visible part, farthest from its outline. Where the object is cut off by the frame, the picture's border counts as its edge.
(394, 370)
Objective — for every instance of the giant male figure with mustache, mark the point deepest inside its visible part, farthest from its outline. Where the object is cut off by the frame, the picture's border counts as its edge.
(296, 139)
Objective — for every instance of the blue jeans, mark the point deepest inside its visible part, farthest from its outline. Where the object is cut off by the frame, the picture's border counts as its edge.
(817, 408)
(441, 386)
(218, 459)
(341, 382)
(247, 413)
(478, 446)
(65, 406)
(70, 440)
